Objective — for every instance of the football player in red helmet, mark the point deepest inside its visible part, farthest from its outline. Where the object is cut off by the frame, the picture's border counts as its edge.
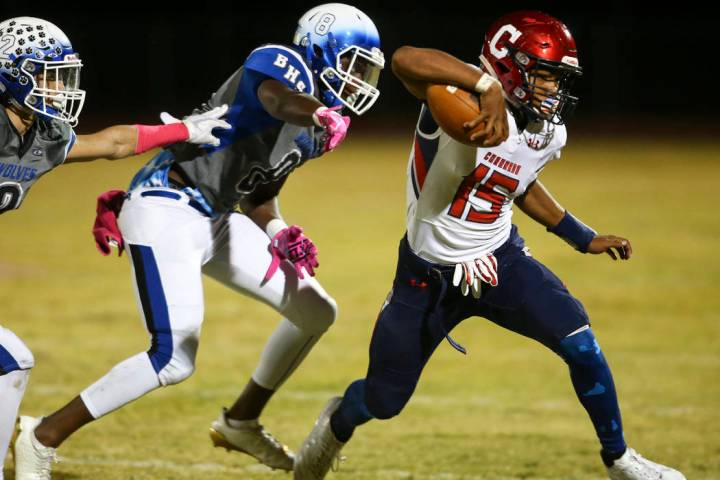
(461, 240)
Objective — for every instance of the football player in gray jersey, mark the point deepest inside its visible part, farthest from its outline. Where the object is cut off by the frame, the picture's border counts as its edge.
(39, 104)
(180, 221)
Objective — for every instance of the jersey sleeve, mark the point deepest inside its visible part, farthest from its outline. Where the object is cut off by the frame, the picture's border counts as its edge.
(558, 143)
(72, 137)
(280, 63)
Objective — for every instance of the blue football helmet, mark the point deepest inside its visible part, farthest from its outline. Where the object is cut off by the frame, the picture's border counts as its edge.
(342, 46)
(39, 69)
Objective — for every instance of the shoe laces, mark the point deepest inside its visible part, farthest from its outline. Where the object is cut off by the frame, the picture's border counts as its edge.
(642, 465)
(336, 462)
(326, 450)
(273, 441)
(46, 460)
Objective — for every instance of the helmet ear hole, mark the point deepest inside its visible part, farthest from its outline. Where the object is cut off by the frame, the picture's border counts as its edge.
(502, 68)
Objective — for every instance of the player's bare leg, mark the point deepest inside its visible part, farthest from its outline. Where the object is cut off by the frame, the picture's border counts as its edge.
(37, 439)
(240, 263)
(251, 402)
(54, 429)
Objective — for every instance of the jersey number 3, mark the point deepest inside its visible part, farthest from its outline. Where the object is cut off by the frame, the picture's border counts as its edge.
(478, 189)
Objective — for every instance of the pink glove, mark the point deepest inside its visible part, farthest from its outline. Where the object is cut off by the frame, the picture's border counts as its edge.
(290, 244)
(335, 126)
(105, 230)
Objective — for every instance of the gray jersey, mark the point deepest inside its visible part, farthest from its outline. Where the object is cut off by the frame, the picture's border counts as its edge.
(22, 163)
(257, 149)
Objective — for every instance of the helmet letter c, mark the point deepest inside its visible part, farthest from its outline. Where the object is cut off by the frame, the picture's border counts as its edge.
(514, 35)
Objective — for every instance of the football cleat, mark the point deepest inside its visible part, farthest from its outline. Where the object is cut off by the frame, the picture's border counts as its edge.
(33, 460)
(252, 439)
(632, 466)
(320, 449)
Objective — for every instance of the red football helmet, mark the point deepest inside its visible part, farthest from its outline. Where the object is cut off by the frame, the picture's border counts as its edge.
(520, 42)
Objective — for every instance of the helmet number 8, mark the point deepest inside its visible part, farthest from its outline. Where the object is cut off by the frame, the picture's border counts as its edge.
(324, 24)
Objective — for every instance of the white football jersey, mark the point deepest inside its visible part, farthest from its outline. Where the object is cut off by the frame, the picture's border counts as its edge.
(459, 198)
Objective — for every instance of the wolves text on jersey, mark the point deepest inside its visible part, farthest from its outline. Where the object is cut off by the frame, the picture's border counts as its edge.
(17, 172)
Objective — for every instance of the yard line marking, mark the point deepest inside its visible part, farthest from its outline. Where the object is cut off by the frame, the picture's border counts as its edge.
(258, 468)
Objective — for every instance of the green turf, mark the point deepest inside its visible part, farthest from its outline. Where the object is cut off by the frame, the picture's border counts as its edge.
(506, 411)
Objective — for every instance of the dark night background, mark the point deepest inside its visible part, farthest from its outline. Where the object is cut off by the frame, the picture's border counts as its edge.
(646, 69)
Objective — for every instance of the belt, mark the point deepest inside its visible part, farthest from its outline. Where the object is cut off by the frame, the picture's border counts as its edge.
(179, 196)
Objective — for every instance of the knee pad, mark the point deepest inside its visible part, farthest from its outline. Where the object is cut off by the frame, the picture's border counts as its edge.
(313, 312)
(386, 397)
(581, 349)
(14, 354)
(175, 362)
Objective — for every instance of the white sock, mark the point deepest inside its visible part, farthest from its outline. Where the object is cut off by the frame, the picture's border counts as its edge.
(127, 381)
(285, 350)
(239, 423)
(12, 388)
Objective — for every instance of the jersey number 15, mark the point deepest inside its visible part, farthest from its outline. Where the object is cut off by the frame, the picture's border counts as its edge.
(477, 185)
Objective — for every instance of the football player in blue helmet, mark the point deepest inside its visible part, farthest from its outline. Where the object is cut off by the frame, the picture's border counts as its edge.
(40, 70)
(40, 101)
(342, 46)
(214, 211)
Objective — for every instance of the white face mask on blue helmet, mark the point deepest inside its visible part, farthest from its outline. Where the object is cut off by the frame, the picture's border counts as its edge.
(39, 70)
(342, 46)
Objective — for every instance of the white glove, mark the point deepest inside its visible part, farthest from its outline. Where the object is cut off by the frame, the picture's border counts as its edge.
(468, 275)
(200, 125)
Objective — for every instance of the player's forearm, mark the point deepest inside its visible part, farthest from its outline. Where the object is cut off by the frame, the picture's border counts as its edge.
(538, 204)
(262, 206)
(121, 141)
(261, 214)
(112, 143)
(419, 67)
(286, 104)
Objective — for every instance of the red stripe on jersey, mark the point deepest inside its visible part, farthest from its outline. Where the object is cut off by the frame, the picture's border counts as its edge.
(419, 161)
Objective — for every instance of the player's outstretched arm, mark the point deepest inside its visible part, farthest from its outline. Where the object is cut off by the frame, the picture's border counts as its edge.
(418, 68)
(287, 104)
(539, 205)
(297, 108)
(121, 141)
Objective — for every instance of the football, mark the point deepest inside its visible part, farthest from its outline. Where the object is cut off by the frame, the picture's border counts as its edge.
(451, 107)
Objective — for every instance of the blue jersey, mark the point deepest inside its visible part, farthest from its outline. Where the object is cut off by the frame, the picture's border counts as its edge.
(257, 149)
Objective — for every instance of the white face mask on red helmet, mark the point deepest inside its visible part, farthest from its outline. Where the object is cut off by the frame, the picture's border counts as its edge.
(39, 70)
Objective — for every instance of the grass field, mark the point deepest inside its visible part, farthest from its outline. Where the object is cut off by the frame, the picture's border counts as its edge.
(506, 411)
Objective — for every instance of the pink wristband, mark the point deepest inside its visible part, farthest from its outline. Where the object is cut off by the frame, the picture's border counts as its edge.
(151, 136)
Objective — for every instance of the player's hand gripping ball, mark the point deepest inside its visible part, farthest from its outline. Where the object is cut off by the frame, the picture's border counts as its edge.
(452, 108)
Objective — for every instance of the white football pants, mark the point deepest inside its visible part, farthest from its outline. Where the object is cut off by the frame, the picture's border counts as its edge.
(16, 360)
(170, 245)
